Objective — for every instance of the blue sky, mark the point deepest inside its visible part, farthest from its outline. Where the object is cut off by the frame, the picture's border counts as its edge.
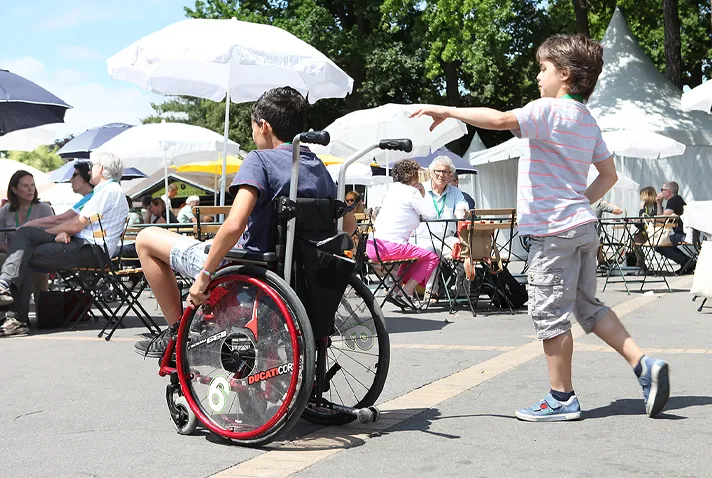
(63, 47)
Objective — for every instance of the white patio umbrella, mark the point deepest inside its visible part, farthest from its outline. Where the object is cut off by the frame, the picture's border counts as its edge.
(698, 98)
(150, 147)
(358, 173)
(27, 139)
(353, 131)
(215, 59)
(642, 144)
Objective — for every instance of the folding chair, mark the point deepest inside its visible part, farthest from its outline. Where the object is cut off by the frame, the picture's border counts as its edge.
(110, 272)
(484, 222)
(201, 231)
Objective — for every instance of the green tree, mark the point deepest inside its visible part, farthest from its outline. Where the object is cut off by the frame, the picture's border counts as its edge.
(42, 158)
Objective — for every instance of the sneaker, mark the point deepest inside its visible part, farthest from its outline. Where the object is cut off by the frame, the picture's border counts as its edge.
(551, 410)
(5, 295)
(13, 328)
(655, 381)
(155, 347)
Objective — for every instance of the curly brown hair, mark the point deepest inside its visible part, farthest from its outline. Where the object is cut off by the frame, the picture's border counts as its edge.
(579, 55)
(405, 170)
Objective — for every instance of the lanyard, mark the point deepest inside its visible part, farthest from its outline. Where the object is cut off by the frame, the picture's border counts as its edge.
(17, 219)
(573, 96)
(435, 203)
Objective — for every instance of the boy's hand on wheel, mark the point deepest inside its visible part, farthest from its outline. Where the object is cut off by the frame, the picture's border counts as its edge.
(197, 293)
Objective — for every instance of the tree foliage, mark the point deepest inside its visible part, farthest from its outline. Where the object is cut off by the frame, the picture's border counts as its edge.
(457, 52)
(43, 158)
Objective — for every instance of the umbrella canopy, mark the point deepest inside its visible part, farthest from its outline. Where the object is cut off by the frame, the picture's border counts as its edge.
(80, 146)
(624, 183)
(151, 147)
(356, 130)
(208, 58)
(8, 167)
(699, 98)
(24, 104)
(212, 167)
(27, 139)
(358, 174)
(64, 173)
(217, 59)
(642, 144)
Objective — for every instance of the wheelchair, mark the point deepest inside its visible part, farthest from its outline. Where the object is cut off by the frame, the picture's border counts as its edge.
(285, 334)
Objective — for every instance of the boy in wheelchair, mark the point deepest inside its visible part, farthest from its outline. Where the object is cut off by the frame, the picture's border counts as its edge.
(278, 116)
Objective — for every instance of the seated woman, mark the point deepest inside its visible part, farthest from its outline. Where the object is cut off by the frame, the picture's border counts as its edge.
(158, 212)
(23, 206)
(400, 213)
(648, 207)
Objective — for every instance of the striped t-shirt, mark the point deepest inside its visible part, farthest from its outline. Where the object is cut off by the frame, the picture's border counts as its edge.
(564, 140)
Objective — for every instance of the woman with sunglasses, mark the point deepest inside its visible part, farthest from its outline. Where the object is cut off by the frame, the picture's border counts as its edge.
(23, 205)
(353, 199)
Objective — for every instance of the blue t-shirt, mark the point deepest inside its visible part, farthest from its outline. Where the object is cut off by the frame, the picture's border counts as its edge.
(269, 170)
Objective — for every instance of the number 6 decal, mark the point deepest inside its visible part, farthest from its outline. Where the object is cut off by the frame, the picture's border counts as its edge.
(218, 393)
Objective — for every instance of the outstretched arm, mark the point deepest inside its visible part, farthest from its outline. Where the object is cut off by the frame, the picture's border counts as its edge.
(486, 118)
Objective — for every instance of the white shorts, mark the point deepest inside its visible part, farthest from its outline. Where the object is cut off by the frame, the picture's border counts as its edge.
(188, 256)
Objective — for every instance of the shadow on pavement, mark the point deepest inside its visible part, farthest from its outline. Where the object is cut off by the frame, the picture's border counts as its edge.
(397, 325)
(631, 406)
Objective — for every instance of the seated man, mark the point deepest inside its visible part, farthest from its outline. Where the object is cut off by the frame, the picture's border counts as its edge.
(80, 185)
(277, 117)
(185, 215)
(67, 245)
(675, 205)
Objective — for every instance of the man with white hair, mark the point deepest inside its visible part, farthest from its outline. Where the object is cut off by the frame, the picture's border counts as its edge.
(186, 212)
(70, 244)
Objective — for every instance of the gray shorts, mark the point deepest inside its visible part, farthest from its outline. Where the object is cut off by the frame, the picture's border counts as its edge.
(562, 281)
(188, 256)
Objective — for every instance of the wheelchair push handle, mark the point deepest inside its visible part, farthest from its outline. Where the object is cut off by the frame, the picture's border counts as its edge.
(315, 137)
(396, 144)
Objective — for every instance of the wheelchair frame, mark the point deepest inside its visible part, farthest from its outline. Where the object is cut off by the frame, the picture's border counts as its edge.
(186, 413)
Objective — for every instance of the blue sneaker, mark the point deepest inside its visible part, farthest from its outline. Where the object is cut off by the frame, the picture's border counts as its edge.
(655, 380)
(551, 410)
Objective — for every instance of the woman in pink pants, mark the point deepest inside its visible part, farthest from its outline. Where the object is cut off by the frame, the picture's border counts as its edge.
(400, 214)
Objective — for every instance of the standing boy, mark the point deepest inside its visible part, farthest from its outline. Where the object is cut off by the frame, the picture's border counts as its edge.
(554, 207)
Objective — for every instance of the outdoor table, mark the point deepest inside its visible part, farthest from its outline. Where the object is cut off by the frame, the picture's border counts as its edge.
(180, 227)
(438, 242)
(617, 237)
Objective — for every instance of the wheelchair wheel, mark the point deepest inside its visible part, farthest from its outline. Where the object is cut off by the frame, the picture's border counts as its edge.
(357, 358)
(246, 358)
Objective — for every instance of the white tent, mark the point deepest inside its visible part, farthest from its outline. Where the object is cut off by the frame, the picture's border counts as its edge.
(631, 94)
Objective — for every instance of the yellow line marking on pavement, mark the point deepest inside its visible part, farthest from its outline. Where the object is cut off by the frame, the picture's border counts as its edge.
(297, 455)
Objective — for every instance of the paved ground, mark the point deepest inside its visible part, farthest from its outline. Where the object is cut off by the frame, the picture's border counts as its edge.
(75, 405)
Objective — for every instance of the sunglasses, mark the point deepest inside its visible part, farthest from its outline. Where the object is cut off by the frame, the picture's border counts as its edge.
(350, 200)
(442, 172)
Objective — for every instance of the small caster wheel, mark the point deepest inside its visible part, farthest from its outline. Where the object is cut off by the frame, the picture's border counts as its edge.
(376, 413)
(184, 419)
(365, 415)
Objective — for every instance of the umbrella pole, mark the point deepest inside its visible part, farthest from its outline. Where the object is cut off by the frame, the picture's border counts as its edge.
(165, 180)
(223, 178)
